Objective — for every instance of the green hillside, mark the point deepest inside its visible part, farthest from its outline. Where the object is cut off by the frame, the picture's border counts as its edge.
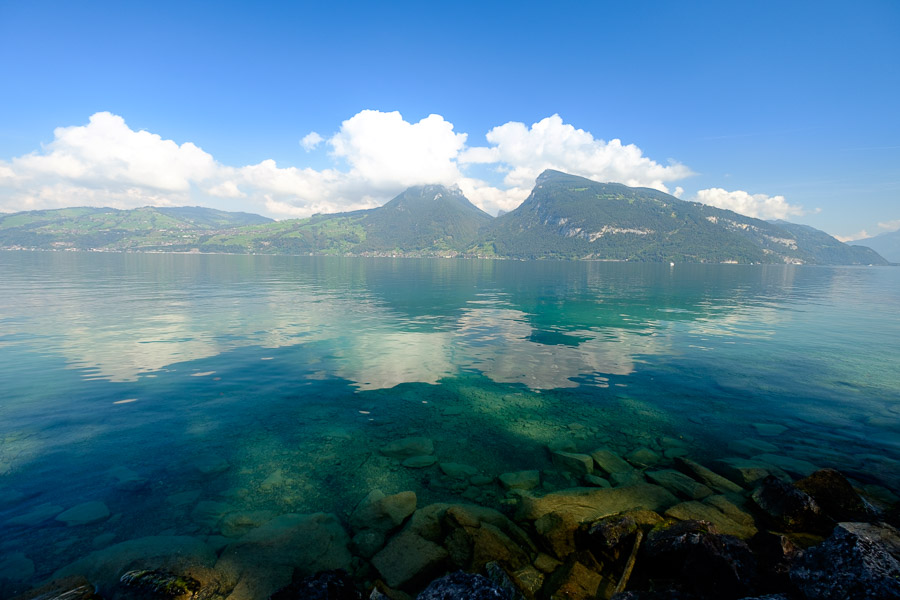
(565, 217)
(572, 217)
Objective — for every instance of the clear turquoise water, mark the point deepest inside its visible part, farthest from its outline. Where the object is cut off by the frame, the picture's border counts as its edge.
(155, 382)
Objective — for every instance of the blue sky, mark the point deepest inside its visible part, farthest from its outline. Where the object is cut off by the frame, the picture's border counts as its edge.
(774, 109)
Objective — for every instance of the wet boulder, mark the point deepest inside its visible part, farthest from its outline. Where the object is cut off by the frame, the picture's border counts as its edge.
(789, 508)
(159, 583)
(702, 561)
(464, 586)
(837, 498)
(858, 562)
(579, 579)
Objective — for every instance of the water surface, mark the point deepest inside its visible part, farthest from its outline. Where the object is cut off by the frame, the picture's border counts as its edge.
(154, 383)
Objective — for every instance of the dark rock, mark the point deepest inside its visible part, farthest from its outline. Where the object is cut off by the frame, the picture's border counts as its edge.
(579, 464)
(851, 564)
(837, 498)
(475, 541)
(158, 583)
(656, 595)
(788, 507)
(67, 588)
(774, 554)
(608, 533)
(464, 586)
(500, 577)
(325, 585)
(382, 592)
(700, 560)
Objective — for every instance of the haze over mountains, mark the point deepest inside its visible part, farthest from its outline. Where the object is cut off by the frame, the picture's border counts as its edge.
(565, 217)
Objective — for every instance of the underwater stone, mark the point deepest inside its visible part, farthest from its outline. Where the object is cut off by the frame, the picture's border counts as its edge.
(590, 504)
(521, 480)
(769, 429)
(481, 480)
(793, 466)
(208, 513)
(610, 462)
(265, 559)
(708, 477)
(37, 515)
(579, 464)
(750, 447)
(238, 523)
(160, 583)
(383, 513)
(16, 567)
(173, 553)
(67, 588)
(679, 483)
(368, 542)
(457, 470)
(409, 559)
(595, 481)
(407, 447)
(419, 462)
(562, 445)
(743, 470)
(575, 581)
(84, 514)
(643, 457)
(699, 511)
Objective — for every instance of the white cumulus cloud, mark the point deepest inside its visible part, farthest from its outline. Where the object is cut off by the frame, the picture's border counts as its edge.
(759, 206)
(890, 225)
(311, 140)
(552, 144)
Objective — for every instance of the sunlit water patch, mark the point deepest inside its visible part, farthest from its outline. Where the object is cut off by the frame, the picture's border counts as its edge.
(203, 395)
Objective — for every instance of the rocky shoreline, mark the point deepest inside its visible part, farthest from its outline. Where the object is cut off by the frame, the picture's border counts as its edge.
(643, 526)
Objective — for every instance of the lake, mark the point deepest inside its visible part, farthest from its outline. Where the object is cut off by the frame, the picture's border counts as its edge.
(175, 390)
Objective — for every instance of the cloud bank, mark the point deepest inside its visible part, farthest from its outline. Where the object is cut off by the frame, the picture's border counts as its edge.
(759, 206)
(375, 155)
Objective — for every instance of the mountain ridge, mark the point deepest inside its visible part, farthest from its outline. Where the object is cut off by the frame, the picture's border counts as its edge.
(564, 217)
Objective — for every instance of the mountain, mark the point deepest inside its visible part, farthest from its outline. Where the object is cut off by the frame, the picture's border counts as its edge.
(564, 217)
(424, 220)
(147, 228)
(567, 216)
(886, 244)
(823, 249)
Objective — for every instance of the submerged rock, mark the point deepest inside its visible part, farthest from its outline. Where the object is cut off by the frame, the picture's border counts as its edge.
(160, 584)
(579, 579)
(700, 511)
(67, 588)
(579, 464)
(590, 504)
(84, 514)
(383, 513)
(324, 585)
(708, 477)
(265, 558)
(853, 564)
(643, 458)
(679, 483)
(457, 470)
(419, 462)
(408, 447)
(464, 586)
(409, 559)
(521, 480)
(610, 462)
(178, 554)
